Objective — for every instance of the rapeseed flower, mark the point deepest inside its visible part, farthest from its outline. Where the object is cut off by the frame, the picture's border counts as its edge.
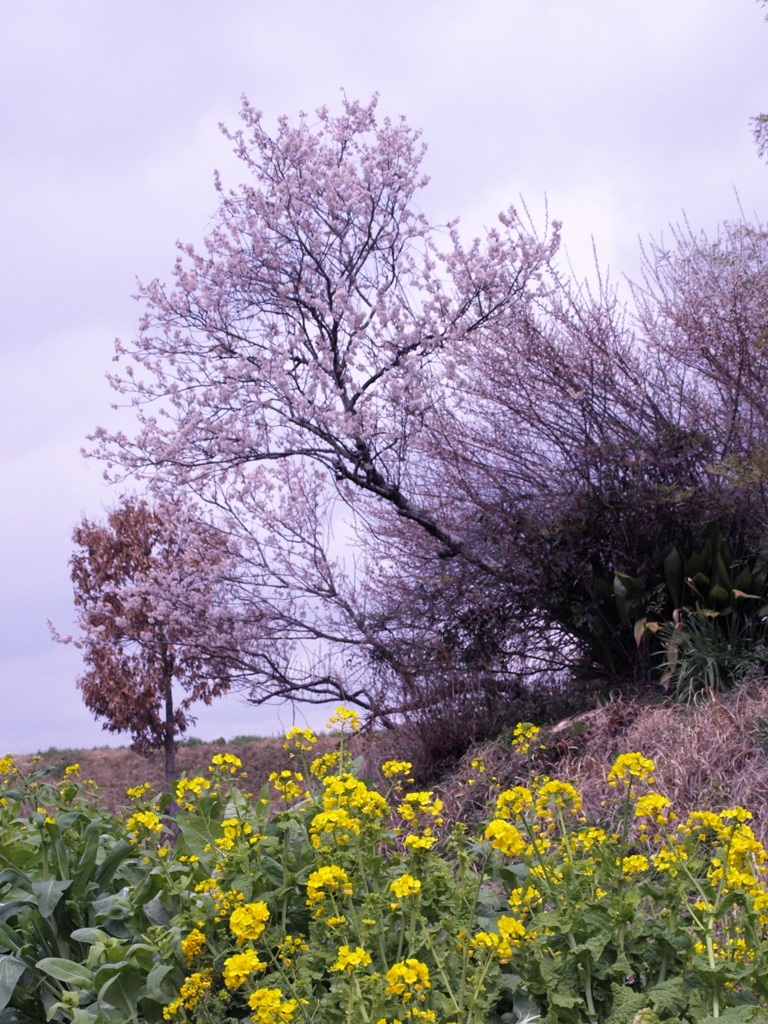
(348, 959)
(192, 990)
(248, 921)
(425, 841)
(225, 763)
(345, 719)
(237, 968)
(505, 837)
(192, 945)
(523, 736)
(405, 885)
(654, 806)
(270, 1006)
(634, 865)
(408, 979)
(143, 822)
(288, 785)
(554, 793)
(629, 766)
(513, 801)
(325, 880)
(299, 739)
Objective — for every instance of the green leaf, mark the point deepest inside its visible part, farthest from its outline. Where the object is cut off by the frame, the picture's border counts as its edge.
(668, 995)
(157, 988)
(124, 989)
(66, 971)
(87, 863)
(112, 861)
(80, 1016)
(48, 893)
(737, 1015)
(157, 913)
(674, 574)
(626, 1003)
(11, 970)
(8, 936)
(89, 935)
(564, 999)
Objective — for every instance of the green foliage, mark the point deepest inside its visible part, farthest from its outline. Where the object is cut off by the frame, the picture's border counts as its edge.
(717, 634)
(709, 613)
(326, 901)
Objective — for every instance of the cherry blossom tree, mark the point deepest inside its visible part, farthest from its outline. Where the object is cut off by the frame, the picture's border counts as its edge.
(434, 455)
(296, 362)
(156, 619)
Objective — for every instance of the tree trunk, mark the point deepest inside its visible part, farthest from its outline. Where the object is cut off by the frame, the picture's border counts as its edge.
(169, 739)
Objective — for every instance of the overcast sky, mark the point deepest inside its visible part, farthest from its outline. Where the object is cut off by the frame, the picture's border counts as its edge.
(625, 114)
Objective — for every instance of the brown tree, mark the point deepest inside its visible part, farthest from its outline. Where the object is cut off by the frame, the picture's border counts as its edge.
(150, 586)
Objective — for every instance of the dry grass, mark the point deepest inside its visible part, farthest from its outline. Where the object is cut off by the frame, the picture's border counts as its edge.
(707, 757)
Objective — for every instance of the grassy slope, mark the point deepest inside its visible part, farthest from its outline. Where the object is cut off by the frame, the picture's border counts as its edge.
(115, 769)
(707, 757)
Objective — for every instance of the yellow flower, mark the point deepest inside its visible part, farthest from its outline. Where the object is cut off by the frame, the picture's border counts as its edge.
(634, 865)
(238, 967)
(72, 769)
(587, 838)
(339, 822)
(249, 921)
(423, 842)
(195, 786)
(405, 885)
(523, 735)
(558, 794)
(407, 979)
(137, 792)
(513, 801)
(348, 959)
(501, 942)
(225, 763)
(7, 766)
(654, 806)
(270, 1006)
(741, 814)
(299, 739)
(345, 719)
(505, 837)
(524, 899)
(668, 859)
(324, 764)
(420, 803)
(290, 946)
(345, 791)
(327, 879)
(143, 821)
(287, 785)
(629, 766)
(192, 945)
(191, 992)
(393, 768)
(233, 830)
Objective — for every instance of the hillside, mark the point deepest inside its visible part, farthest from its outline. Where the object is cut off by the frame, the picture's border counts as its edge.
(707, 757)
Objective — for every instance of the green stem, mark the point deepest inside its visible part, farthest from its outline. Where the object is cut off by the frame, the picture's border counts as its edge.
(711, 958)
